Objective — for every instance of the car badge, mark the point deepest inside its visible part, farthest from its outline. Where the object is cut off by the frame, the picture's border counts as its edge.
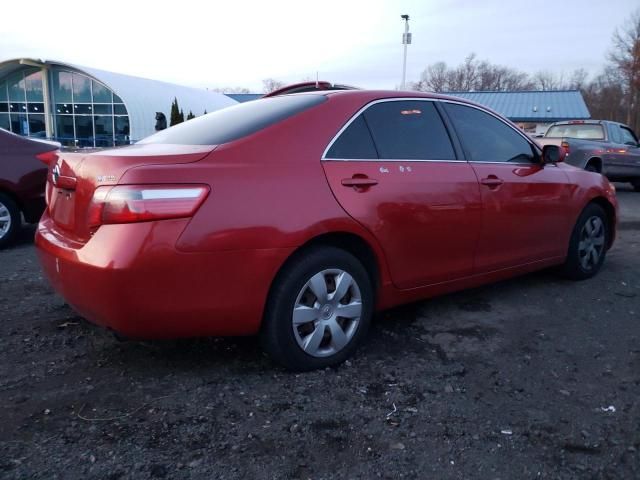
(55, 174)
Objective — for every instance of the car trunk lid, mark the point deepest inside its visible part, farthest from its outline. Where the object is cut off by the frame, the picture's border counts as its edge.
(74, 177)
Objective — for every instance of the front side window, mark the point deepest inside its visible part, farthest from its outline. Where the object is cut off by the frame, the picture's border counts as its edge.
(408, 130)
(487, 139)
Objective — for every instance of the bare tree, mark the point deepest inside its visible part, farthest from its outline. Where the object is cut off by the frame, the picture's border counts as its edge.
(625, 56)
(547, 80)
(472, 74)
(271, 84)
(231, 90)
(578, 80)
(433, 79)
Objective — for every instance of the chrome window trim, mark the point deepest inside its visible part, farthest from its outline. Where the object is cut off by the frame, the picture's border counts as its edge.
(419, 99)
(396, 160)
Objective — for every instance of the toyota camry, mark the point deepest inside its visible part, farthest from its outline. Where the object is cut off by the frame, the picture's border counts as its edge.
(296, 217)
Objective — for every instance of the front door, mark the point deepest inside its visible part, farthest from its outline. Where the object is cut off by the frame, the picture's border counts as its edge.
(395, 171)
(525, 212)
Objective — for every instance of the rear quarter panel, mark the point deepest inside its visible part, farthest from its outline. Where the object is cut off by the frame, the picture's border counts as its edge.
(268, 190)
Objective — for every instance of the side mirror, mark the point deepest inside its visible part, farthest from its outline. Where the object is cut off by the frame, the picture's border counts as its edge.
(552, 154)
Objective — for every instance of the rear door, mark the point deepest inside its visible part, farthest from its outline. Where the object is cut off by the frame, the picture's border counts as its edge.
(394, 169)
(525, 217)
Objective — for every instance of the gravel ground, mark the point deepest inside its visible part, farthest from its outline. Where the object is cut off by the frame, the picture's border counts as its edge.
(534, 377)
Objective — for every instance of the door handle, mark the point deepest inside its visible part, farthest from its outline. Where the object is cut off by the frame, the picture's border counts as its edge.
(359, 182)
(492, 181)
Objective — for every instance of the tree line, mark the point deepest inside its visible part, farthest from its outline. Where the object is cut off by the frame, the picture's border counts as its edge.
(612, 94)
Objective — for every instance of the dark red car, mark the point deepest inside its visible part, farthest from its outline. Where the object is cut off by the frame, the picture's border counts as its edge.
(297, 216)
(22, 180)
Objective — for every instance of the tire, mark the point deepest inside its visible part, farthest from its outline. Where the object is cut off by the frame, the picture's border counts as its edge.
(591, 167)
(10, 220)
(320, 337)
(636, 185)
(588, 244)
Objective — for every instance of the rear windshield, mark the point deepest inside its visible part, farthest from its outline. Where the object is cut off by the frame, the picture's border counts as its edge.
(235, 122)
(588, 131)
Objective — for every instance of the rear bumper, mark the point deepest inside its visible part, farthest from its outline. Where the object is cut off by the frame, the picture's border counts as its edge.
(131, 279)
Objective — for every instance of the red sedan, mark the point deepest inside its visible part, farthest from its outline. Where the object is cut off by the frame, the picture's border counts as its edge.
(297, 216)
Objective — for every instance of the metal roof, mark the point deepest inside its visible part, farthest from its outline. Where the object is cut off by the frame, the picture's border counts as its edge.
(244, 97)
(532, 106)
(142, 97)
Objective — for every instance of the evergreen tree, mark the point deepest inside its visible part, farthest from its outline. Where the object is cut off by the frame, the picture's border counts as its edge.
(191, 115)
(205, 111)
(181, 116)
(175, 113)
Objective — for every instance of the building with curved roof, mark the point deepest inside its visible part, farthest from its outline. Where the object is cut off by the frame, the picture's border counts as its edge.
(87, 107)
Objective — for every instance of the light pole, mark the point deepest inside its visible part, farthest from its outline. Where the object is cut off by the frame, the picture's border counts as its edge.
(406, 40)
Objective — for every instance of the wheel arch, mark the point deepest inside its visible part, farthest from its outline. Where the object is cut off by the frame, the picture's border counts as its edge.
(351, 242)
(597, 161)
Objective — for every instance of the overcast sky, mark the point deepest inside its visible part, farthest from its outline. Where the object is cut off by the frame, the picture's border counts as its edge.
(239, 43)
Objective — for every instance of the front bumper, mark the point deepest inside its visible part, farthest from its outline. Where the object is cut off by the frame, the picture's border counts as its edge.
(131, 279)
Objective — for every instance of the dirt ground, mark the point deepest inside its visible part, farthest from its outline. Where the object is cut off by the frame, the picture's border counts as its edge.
(535, 377)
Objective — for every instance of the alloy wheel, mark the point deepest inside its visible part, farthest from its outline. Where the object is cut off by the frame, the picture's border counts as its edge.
(592, 240)
(327, 312)
(5, 220)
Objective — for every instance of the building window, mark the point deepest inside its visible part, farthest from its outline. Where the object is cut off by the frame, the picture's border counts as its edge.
(22, 103)
(84, 112)
(88, 113)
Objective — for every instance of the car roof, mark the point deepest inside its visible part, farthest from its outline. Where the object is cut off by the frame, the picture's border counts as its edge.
(367, 96)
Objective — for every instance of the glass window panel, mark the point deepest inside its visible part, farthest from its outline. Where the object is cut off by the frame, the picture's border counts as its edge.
(35, 107)
(84, 131)
(101, 94)
(119, 110)
(36, 126)
(122, 130)
(19, 124)
(62, 87)
(354, 143)
(487, 139)
(33, 84)
(64, 108)
(16, 87)
(81, 88)
(4, 107)
(64, 127)
(3, 92)
(117, 99)
(409, 130)
(82, 109)
(4, 121)
(104, 130)
(17, 107)
(103, 109)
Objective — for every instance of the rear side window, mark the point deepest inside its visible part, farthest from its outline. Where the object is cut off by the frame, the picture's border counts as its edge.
(354, 143)
(614, 133)
(235, 122)
(409, 130)
(628, 138)
(487, 139)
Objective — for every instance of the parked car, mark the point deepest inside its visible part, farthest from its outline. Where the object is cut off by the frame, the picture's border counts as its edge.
(601, 146)
(22, 180)
(296, 216)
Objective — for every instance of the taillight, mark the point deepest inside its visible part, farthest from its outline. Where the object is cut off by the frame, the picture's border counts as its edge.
(144, 203)
(48, 158)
